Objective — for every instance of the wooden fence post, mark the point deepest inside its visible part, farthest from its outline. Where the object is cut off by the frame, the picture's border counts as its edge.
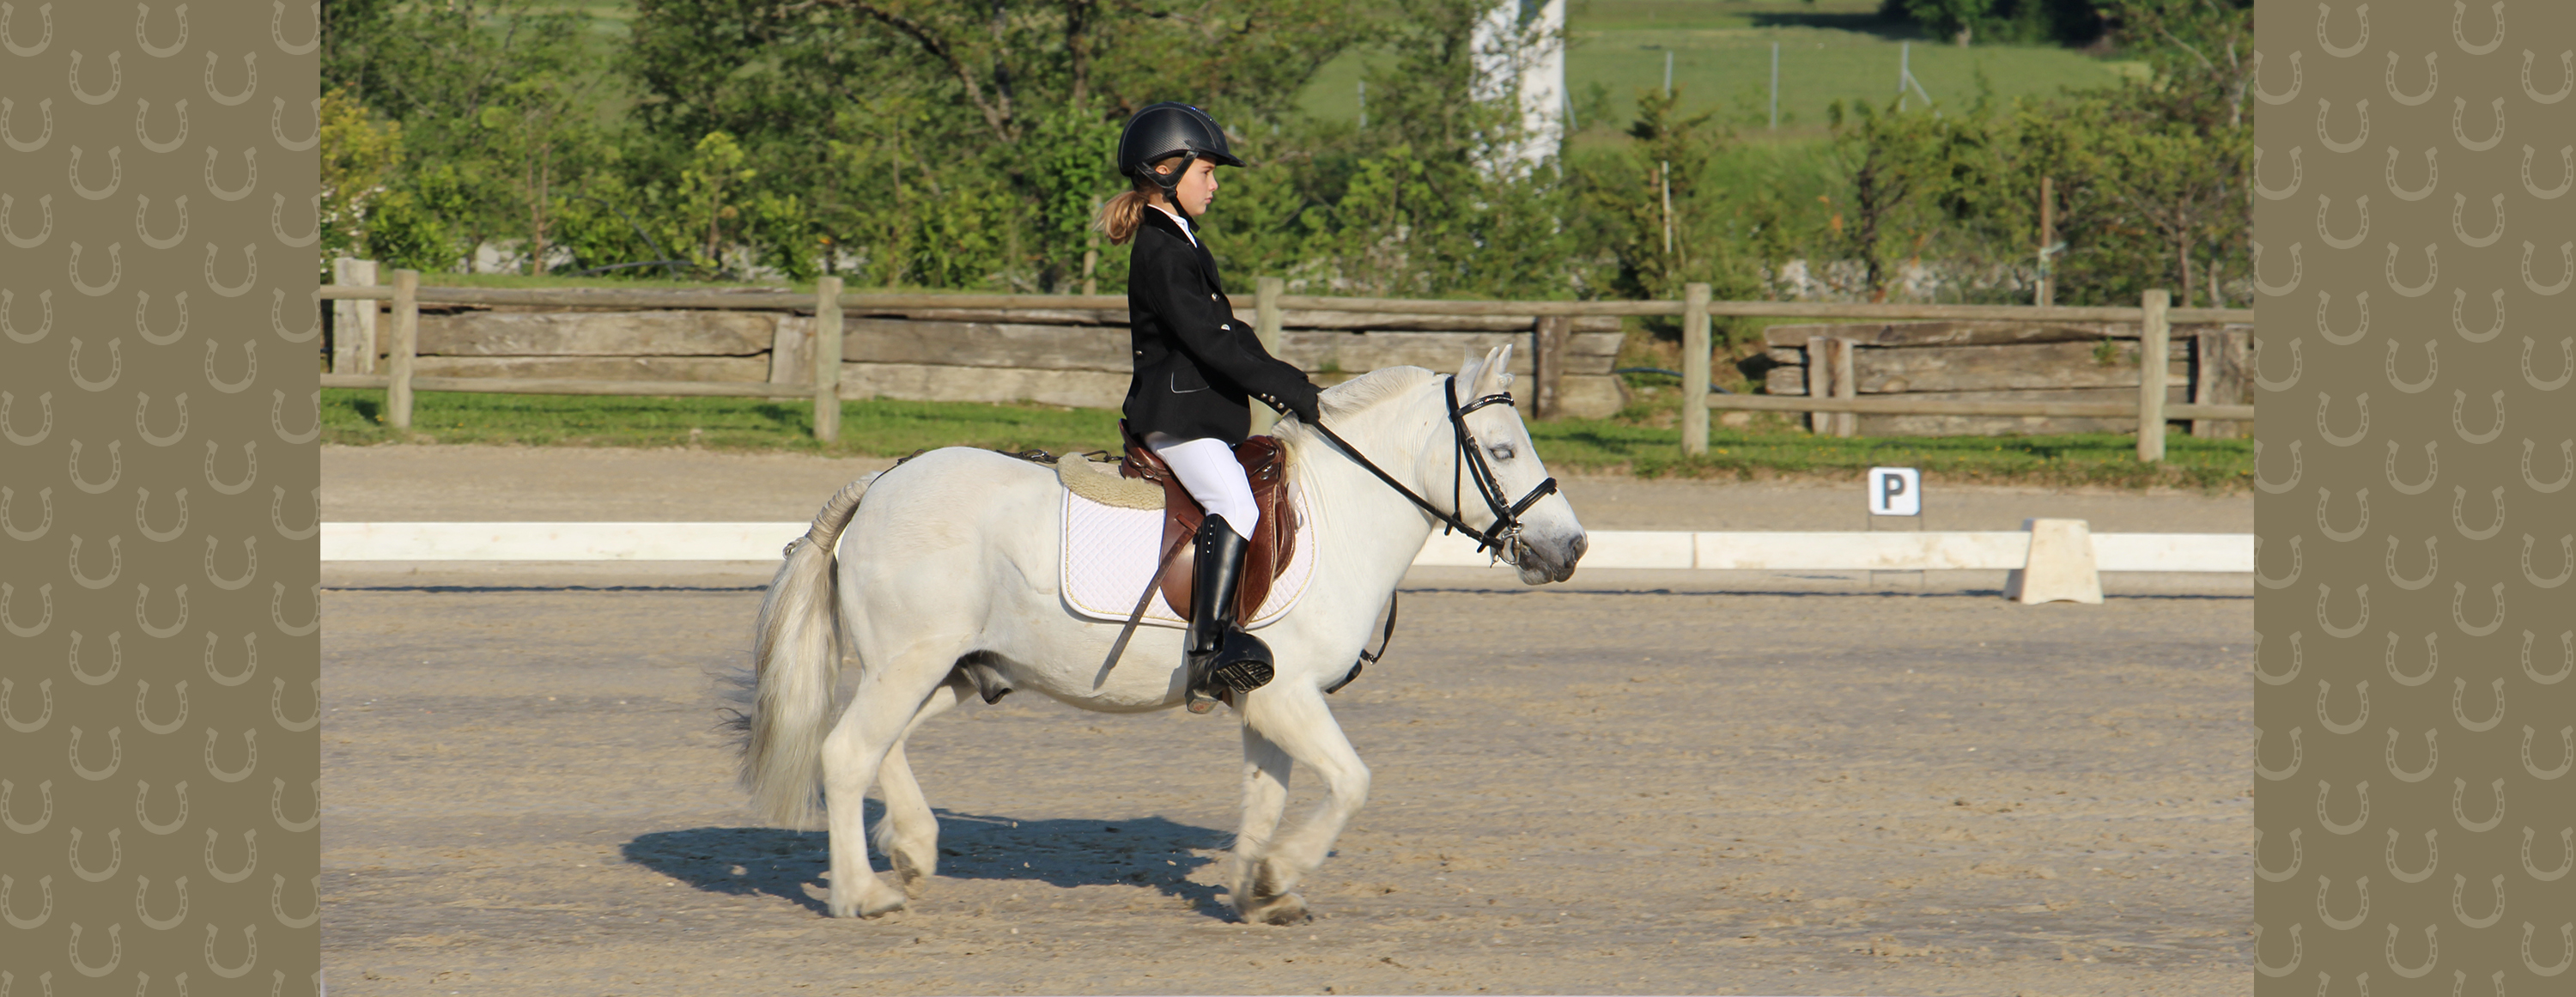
(1820, 384)
(1838, 351)
(1265, 327)
(827, 359)
(353, 323)
(2218, 377)
(1547, 363)
(2153, 333)
(1695, 349)
(406, 342)
(2047, 237)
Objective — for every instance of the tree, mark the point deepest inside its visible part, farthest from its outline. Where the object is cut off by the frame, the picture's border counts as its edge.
(358, 159)
(933, 97)
(2025, 22)
(438, 69)
(353, 36)
(1647, 209)
(2198, 50)
(1895, 162)
(710, 194)
(537, 122)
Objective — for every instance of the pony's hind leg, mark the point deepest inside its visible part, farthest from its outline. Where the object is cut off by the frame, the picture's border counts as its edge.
(853, 755)
(909, 835)
(1293, 718)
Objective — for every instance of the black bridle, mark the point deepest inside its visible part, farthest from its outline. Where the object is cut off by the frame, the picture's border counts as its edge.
(1470, 458)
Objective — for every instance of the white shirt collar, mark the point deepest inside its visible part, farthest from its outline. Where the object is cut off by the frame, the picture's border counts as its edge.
(1183, 222)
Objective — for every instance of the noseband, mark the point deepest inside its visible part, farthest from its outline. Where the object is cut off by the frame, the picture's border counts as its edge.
(1470, 463)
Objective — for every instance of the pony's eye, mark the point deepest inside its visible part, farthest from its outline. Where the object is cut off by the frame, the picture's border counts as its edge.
(1501, 451)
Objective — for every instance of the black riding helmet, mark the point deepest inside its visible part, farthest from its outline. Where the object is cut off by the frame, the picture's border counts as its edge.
(1167, 129)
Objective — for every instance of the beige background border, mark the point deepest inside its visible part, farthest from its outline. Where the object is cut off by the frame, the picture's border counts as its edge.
(161, 758)
(2412, 239)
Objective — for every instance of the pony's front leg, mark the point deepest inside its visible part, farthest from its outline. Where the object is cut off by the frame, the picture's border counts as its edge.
(852, 757)
(1292, 717)
(1265, 796)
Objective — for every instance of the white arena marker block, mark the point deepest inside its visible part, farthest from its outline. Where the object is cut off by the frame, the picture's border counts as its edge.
(1787, 551)
(2210, 552)
(2060, 568)
(1637, 549)
(556, 541)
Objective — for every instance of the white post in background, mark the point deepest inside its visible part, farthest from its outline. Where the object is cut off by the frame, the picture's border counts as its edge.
(1664, 170)
(1519, 53)
(1775, 86)
(1905, 77)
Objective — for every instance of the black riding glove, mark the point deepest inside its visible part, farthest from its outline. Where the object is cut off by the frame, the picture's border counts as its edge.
(1306, 405)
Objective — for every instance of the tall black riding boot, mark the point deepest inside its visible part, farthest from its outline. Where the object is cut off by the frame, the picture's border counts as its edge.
(1220, 654)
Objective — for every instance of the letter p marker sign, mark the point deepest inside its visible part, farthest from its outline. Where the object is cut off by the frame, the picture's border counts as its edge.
(1895, 491)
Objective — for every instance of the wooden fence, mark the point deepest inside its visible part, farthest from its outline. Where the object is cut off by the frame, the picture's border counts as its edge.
(828, 303)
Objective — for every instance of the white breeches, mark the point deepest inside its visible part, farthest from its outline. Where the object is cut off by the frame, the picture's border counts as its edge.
(1209, 472)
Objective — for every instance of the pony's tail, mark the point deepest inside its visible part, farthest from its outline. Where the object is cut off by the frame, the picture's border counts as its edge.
(786, 696)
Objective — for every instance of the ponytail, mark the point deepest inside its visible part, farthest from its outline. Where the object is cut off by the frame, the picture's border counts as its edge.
(1119, 217)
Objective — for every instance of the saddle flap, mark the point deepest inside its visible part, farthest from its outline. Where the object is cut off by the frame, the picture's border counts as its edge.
(1265, 467)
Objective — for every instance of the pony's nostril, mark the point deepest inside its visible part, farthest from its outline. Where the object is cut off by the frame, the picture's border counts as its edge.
(1574, 551)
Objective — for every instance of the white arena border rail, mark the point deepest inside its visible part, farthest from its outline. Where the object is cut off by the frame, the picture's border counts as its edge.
(1755, 551)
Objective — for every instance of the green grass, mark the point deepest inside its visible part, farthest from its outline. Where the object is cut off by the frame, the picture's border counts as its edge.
(872, 427)
(430, 278)
(1829, 50)
(1632, 444)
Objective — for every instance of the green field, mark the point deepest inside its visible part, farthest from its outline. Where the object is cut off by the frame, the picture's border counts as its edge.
(1641, 441)
(1721, 53)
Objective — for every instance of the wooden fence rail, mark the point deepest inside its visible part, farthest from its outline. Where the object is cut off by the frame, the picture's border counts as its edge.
(774, 300)
(1695, 309)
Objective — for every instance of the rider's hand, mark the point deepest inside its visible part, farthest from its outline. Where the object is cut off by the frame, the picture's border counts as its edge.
(1307, 406)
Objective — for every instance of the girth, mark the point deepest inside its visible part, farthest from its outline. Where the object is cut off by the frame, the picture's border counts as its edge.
(1265, 465)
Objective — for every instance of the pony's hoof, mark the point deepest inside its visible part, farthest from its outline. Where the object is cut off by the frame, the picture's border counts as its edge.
(878, 904)
(913, 876)
(1287, 908)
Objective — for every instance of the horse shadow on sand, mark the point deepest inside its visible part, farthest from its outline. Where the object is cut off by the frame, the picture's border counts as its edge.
(1149, 852)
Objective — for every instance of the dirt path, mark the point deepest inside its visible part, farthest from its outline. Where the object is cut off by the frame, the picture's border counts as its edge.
(478, 483)
(1597, 792)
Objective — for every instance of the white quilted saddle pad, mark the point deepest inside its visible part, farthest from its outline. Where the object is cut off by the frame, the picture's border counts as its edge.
(1109, 555)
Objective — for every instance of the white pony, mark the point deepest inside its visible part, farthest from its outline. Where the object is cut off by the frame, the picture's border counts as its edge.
(951, 565)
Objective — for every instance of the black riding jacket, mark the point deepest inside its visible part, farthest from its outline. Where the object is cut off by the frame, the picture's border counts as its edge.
(1197, 366)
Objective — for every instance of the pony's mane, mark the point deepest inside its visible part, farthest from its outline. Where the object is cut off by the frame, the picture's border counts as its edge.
(1359, 394)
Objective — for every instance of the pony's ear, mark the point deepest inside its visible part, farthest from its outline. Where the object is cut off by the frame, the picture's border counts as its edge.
(1490, 375)
(1468, 365)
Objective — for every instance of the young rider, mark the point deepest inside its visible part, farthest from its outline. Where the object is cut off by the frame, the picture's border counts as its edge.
(1197, 368)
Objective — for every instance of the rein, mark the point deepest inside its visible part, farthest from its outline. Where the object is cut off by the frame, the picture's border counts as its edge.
(1507, 522)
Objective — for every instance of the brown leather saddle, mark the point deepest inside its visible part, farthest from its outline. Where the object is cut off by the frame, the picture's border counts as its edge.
(1273, 541)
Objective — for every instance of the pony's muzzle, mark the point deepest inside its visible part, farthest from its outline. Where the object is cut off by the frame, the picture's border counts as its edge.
(1551, 560)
